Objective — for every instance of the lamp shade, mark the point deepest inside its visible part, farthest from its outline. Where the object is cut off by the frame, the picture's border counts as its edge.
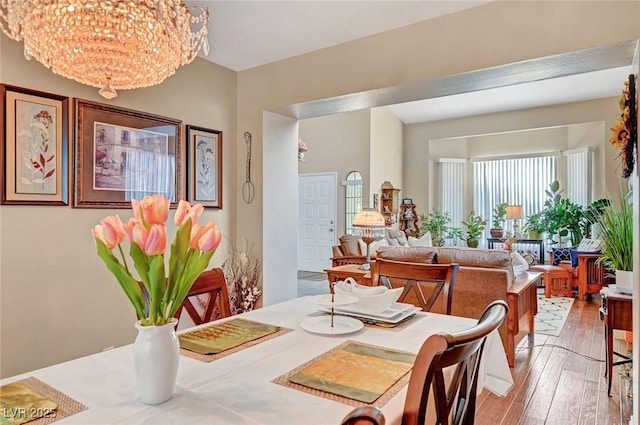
(368, 217)
(515, 212)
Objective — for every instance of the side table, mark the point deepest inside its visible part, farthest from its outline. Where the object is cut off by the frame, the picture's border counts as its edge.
(363, 277)
(616, 313)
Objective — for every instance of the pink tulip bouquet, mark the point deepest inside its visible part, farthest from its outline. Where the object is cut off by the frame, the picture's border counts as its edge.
(157, 297)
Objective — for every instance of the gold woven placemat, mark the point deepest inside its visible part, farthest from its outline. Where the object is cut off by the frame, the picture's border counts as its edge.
(379, 402)
(66, 405)
(208, 358)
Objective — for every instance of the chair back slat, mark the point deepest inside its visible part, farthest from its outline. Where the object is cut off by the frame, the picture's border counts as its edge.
(418, 280)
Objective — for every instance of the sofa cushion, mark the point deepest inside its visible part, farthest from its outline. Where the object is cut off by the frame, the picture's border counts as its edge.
(561, 254)
(396, 237)
(349, 245)
(372, 247)
(519, 264)
(413, 254)
(475, 257)
(424, 240)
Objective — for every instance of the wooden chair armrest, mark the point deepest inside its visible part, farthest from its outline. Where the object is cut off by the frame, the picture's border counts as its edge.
(348, 259)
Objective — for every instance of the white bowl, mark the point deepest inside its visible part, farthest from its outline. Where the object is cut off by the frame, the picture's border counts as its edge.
(377, 303)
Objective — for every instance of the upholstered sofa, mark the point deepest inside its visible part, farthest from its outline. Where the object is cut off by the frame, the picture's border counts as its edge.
(351, 249)
(484, 275)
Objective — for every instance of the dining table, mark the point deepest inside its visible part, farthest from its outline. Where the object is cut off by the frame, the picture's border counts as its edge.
(239, 388)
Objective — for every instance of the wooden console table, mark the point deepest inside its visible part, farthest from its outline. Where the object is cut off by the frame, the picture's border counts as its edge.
(363, 277)
(616, 313)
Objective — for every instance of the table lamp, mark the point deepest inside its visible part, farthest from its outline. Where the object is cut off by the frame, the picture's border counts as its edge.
(369, 226)
(515, 213)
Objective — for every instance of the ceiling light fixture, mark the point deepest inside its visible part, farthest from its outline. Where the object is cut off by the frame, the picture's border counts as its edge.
(112, 45)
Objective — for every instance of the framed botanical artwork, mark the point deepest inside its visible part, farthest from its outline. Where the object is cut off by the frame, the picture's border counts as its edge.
(204, 166)
(35, 151)
(121, 154)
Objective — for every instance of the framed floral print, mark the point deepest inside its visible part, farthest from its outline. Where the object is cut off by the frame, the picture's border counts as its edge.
(35, 149)
(121, 154)
(204, 166)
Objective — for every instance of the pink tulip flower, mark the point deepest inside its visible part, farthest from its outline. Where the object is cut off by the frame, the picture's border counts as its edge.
(110, 231)
(152, 209)
(152, 241)
(187, 211)
(205, 238)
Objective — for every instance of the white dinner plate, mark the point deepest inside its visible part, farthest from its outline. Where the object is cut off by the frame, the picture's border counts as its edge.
(371, 316)
(322, 325)
(390, 313)
(338, 300)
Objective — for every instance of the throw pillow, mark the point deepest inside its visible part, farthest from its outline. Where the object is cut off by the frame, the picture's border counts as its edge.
(519, 264)
(561, 254)
(576, 252)
(349, 244)
(590, 245)
(424, 240)
(373, 247)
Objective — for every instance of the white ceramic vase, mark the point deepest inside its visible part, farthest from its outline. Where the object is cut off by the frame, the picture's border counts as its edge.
(156, 353)
(624, 281)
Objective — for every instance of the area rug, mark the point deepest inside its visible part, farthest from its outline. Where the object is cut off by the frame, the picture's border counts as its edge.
(552, 314)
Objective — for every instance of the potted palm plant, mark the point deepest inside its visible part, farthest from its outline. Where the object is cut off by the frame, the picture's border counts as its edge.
(499, 215)
(436, 223)
(616, 232)
(475, 226)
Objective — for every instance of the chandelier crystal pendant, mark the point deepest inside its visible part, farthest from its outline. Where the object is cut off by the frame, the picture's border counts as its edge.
(112, 45)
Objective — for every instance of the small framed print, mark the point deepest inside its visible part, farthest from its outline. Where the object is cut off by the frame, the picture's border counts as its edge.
(35, 152)
(204, 166)
(407, 201)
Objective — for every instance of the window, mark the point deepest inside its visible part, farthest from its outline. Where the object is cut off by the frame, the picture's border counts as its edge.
(452, 175)
(579, 172)
(352, 199)
(516, 181)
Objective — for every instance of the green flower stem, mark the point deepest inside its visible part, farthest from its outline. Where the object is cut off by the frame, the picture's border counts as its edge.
(124, 259)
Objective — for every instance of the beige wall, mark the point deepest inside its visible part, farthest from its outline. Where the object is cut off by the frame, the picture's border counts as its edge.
(338, 143)
(58, 300)
(386, 150)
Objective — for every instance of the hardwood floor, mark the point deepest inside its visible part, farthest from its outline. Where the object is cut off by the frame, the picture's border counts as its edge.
(554, 386)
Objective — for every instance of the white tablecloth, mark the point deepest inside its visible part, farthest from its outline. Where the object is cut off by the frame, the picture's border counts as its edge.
(237, 389)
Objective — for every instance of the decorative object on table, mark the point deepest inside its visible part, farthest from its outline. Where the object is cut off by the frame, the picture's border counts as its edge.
(358, 381)
(224, 336)
(475, 227)
(371, 299)
(158, 296)
(534, 226)
(36, 160)
(204, 166)
(616, 223)
(121, 154)
(436, 223)
(499, 214)
(248, 189)
(242, 269)
(625, 131)
(302, 148)
(552, 314)
(332, 325)
(515, 213)
(369, 225)
(40, 402)
(118, 60)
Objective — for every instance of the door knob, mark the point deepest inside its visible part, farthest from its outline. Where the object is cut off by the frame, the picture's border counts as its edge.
(330, 229)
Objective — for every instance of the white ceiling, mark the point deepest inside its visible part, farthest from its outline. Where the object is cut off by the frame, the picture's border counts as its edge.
(245, 34)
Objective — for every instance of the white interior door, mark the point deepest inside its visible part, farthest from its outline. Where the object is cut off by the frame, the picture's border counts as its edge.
(316, 220)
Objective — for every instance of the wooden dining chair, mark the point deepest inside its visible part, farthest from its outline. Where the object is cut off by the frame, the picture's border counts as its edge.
(418, 280)
(454, 399)
(210, 282)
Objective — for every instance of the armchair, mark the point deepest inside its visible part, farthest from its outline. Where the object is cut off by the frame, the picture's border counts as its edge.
(588, 276)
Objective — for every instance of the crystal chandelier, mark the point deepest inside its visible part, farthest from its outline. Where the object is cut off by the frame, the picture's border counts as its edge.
(109, 44)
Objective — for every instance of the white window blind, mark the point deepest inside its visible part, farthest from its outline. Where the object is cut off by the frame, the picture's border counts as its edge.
(579, 175)
(452, 175)
(516, 181)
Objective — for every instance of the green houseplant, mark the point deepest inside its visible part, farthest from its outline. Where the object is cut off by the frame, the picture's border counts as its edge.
(534, 226)
(499, 215)
(436, 223)
(562, 218)
(475, 226)
(617, 237)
